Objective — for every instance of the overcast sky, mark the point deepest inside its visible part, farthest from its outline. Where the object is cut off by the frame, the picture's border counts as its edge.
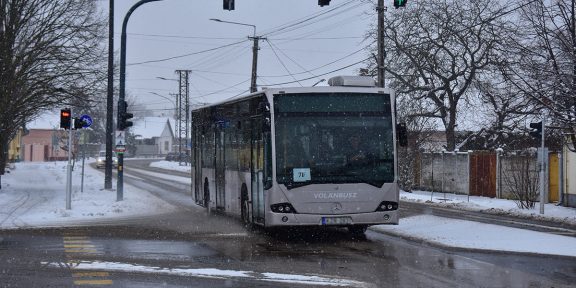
(304, 41)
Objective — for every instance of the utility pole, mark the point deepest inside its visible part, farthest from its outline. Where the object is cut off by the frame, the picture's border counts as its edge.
(183, 121)
(381, 52)
(109, 100)
(255, 48)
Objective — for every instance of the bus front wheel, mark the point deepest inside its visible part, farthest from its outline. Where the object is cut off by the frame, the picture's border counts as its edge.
(358, 230)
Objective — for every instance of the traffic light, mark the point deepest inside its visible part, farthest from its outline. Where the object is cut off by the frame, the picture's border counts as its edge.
(65, 117)
(228, 5)
(537, 132)
(399, 3)
(123, 116)
(323, 2)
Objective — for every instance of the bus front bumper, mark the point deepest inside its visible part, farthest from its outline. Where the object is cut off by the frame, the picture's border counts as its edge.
(373, 218)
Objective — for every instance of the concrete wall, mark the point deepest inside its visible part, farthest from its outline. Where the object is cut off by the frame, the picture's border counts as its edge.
(511, 166)
(444, 172)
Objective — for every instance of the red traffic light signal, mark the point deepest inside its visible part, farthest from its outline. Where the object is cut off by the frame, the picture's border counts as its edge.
(65, 118)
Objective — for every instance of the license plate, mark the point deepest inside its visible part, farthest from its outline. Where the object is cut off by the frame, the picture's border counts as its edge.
(336, 220)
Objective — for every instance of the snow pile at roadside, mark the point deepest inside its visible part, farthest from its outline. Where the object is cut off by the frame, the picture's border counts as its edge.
(492, 206)
(34, 195)
(172, 165)
(479, 236)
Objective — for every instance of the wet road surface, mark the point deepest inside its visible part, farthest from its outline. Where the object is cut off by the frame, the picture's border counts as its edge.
(189, 248)
(122, 256)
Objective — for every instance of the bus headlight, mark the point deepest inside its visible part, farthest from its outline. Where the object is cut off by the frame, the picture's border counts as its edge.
(387, 206)
(282, 208)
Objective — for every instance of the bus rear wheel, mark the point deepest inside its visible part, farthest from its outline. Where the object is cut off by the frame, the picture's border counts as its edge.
(206, 193)
(244, 205)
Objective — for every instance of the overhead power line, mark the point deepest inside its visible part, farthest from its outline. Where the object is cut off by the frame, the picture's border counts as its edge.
(335, 70)
(185, 55)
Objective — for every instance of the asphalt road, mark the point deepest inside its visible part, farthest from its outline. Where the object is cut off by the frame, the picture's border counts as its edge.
(190, 248)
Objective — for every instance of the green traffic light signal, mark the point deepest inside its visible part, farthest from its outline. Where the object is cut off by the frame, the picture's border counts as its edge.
(399, 3)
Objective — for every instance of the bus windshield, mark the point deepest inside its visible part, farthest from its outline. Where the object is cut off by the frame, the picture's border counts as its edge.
(333, 138)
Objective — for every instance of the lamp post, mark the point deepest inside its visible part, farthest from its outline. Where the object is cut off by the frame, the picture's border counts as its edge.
(171, 100)
(122, 93)
(255, 49)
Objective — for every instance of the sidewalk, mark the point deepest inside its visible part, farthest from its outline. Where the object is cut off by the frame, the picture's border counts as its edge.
(33, 196)
(472, 235)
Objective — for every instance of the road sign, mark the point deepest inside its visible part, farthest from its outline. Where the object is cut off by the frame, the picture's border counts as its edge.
(87, 120)
(120, 149)
(120, 138)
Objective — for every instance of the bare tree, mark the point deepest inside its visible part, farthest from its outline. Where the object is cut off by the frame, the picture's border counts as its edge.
(521, 179)
(435, 50)
(545, 69)
(50, 56)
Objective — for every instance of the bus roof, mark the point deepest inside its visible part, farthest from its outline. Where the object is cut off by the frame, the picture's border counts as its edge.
(290, 90)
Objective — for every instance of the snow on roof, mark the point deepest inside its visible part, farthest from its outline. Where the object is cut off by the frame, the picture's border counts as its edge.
(150, 127)
(48, 120)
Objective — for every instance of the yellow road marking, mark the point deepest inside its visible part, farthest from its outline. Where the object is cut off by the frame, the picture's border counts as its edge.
(93, 282)
(79, 246)
(78, 242)
(90, 274)
(75, 238)
(80, 250)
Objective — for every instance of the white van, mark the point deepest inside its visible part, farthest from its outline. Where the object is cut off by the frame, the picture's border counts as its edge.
(101, 160)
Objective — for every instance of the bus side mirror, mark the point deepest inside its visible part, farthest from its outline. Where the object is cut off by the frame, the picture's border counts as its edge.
(402, 134)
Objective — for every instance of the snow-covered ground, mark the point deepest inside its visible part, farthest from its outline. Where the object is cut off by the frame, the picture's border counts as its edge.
(34, 195)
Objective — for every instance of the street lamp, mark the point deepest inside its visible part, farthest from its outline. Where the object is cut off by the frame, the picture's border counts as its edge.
(167, 79)
(254, 50)
(122, 93)
(171, 101)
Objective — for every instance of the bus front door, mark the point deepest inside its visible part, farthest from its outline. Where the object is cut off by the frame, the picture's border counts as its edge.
(220, 171)
(198, 196)
(257, 171)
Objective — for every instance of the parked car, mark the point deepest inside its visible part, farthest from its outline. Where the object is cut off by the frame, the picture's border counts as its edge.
(171, 156)
(101, 160)
(174, 156)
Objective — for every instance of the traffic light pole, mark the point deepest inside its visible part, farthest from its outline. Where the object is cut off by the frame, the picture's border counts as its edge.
(122, 92)
(69, 166)
(542, 162)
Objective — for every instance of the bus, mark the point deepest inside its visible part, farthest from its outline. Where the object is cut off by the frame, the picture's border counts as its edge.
(303, 156)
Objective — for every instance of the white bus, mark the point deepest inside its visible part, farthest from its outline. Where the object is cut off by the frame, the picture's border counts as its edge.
(313, 156)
